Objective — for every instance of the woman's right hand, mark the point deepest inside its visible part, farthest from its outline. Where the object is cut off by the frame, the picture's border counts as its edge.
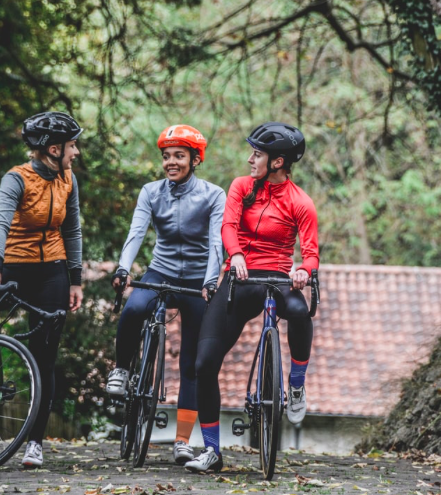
(238, 261)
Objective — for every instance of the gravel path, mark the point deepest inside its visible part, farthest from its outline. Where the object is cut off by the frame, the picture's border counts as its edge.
(92, 468)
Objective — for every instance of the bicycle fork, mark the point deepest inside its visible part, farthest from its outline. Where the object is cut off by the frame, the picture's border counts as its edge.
(161, 418)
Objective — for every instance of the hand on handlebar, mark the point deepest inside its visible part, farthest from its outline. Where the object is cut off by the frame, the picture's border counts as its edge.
(299, 279)
(118, 284)
(238, 261)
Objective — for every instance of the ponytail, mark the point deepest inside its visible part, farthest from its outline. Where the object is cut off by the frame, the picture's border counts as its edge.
(250, 198)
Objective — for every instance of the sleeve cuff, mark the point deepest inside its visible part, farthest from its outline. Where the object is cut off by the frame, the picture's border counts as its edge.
(75, 276)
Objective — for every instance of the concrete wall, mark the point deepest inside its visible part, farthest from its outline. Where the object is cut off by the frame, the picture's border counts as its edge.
(317, 434)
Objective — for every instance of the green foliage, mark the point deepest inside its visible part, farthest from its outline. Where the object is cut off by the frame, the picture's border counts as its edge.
(419, 26)
(356, 77)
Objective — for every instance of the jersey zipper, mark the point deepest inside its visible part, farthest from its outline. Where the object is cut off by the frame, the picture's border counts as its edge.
(179, 234)
(49, 220)
(258, 223)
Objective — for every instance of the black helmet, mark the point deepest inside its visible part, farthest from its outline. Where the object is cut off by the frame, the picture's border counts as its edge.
(278, 139)
(47, 128)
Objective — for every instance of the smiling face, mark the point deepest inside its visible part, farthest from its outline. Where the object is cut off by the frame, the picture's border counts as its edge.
(176, 163)
(70, 153)
(258, 161)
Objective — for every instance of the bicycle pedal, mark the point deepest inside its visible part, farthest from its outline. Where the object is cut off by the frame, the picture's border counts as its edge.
(161, 419)
(239, 426)
(117, 402)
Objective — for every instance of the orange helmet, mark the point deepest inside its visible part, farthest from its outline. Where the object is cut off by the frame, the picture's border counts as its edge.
(183, 135)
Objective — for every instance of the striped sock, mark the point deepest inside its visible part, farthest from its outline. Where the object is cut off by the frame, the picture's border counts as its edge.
(297, 375)
(210, 433)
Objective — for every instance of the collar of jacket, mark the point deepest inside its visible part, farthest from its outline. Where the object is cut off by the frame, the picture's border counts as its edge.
(179, 190)
(43, 170)
(275, 189)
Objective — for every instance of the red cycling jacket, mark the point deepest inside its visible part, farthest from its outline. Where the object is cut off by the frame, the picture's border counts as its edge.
(265, 233)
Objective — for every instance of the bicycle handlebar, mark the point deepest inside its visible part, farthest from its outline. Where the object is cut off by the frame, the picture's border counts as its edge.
(7, 294)
(165, 287)
(313, 282)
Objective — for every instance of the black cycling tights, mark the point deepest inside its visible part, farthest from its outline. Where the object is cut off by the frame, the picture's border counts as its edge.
(139, 307)
(46, 286)
(221, 330)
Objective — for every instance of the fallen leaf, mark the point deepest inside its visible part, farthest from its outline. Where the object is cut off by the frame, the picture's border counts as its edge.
(223, 479)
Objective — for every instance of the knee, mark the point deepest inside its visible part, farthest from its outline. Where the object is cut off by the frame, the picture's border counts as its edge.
(208, 363)
(298, 310)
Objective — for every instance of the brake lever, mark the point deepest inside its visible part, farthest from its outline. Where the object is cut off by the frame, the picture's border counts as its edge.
(231, 286)
(118, 298)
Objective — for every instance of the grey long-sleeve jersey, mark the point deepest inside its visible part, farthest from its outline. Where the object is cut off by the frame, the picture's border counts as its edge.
(187, 219)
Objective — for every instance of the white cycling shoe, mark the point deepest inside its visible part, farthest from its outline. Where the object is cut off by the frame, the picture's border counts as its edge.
(182, 452)
(206, 460)
(117, 381)
(34, 455)
(296, 408)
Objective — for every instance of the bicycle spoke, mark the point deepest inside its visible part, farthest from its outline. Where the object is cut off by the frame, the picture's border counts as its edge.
(20, 392)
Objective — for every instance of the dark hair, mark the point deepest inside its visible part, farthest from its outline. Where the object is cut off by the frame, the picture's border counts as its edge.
(250, 198)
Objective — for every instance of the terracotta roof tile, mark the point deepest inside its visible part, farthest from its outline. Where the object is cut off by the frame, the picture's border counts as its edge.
(374, 325)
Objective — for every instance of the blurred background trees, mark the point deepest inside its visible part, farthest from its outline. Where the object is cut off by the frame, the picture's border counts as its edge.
(361, 78)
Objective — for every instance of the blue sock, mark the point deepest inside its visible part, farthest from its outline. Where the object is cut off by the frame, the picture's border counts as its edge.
(210, 433)
(297, 375)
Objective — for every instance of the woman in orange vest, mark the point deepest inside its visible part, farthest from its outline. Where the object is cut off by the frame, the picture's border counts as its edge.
(40, 242)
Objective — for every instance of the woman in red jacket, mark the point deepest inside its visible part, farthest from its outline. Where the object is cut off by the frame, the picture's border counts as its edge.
(264, 213)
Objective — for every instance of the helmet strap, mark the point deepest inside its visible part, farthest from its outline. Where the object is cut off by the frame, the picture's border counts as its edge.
(268, 166)
(58, 159)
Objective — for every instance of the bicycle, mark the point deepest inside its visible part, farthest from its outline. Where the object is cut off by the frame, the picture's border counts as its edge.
(265, 405)
(146, 375)
(20, 384)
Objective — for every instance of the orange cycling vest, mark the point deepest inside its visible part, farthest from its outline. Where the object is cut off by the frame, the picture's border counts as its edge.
(34, 235)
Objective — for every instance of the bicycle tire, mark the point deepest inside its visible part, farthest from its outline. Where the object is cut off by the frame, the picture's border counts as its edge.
(270, 403)
(128, 424)
(150, 382)
(20, 395)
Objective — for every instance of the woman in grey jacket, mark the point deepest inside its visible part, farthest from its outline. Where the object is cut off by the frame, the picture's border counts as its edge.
(186, 214)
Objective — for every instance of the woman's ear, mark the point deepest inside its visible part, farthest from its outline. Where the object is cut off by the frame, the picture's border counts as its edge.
(278, 162)
(196, 160)
(54, 150)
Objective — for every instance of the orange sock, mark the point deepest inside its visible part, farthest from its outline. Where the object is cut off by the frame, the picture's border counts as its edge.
(186, 420)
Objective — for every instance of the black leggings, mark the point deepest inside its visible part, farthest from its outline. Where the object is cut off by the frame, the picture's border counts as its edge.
(140, 305)
(46, 286)
(221, 330)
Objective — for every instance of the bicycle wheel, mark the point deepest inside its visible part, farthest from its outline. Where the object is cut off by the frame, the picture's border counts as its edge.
(128, 424)
(270, 403)
(20, 395)
(149, 386)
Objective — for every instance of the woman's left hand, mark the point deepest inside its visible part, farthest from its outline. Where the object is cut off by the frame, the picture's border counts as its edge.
(299, 279)
(75, 298)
